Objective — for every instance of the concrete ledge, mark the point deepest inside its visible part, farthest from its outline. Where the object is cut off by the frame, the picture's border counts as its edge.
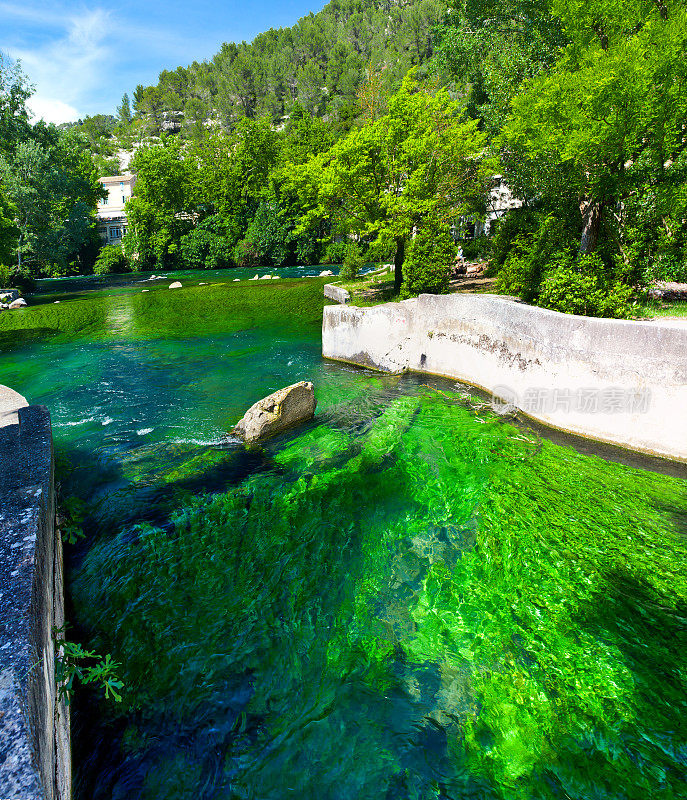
(337, 293)
(35, 762)
(615, 381)
(10, 403)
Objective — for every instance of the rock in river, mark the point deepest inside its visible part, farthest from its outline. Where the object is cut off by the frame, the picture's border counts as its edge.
(175, 285)
(19, 303)
(277, 412)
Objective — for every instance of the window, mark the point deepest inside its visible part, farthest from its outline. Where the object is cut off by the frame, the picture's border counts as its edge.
(121, 184)
(123, 199)
(115, 233)
(106, 201)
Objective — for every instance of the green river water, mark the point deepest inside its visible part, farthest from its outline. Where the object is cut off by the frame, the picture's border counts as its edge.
(407, 598)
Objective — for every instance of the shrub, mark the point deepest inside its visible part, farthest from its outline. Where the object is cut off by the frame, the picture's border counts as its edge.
(353, 262)
(270, 235)
(532, 255)
(207, 246)
(111, 259)
(5, 273)
(427, 267)
(246, 254)
(334, 253)
(584, 288)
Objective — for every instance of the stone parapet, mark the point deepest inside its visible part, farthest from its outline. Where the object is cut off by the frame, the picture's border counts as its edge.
(35, 761)
(616, 381)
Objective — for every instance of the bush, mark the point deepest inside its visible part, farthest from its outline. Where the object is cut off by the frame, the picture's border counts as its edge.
(270, 235)
(111, 259)
(584, 288)
(532, 255)
(475, 248)
(246, 253)
(5, 276)
(208, 246)
(353, 262)
(427, 267)
(334, 253)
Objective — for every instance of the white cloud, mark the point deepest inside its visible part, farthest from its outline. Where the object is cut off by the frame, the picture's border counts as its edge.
(51, 110)
(69, 68)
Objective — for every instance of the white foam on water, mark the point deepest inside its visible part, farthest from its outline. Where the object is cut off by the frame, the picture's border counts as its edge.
(144, 431)
(72, 423)
(106, 421)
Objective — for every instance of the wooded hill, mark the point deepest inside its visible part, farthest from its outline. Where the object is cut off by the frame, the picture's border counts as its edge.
(319, 63)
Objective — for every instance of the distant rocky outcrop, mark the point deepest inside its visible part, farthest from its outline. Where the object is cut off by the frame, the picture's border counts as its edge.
(277, 412)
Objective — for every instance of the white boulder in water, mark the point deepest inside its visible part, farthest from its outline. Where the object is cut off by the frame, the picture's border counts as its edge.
(326, 273)
(175, 285)
(277, 412)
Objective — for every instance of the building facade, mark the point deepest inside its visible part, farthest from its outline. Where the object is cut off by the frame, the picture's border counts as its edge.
(111, 212)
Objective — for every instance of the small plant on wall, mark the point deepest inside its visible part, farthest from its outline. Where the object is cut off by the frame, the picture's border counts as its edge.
(72, 665)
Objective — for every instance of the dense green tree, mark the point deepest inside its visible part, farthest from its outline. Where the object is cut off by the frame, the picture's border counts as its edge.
(420, 159)
(54, 189)
(612, 111)
(124, 111)
(431, 255)
(9, 233)
(14, 116)
(160, 211)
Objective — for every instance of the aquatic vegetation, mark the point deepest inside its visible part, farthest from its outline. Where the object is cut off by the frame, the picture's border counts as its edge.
(406, 598)
(430, 606)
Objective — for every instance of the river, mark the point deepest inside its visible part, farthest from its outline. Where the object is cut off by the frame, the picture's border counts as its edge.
(408, 597)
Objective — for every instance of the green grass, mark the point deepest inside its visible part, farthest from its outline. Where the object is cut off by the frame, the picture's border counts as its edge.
(677, 308)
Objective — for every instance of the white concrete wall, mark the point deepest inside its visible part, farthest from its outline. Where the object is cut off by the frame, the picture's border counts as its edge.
(616, 381)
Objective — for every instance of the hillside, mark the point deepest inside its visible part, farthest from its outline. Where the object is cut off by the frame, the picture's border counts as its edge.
(318, 63)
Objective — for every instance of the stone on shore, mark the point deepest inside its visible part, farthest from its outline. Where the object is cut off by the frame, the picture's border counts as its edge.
(277, 412)
(18, 303)
(326, 273)
(175, 285)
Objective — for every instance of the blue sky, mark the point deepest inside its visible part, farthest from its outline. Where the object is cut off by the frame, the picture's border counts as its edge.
(82, 58)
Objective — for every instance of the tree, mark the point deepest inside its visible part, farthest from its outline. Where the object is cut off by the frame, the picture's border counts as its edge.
(611, 114)
(124, 111)
(54, 189)
(9, 233)
(418, 160)
(15, 90)
(430, 259)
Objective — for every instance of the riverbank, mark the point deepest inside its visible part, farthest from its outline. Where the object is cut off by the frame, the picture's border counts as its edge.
(620, 382)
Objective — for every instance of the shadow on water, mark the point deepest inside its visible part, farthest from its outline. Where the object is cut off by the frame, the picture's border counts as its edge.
(15, 339)
(649, 630)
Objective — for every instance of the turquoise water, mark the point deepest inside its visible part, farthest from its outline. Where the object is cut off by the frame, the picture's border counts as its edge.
(405, 598)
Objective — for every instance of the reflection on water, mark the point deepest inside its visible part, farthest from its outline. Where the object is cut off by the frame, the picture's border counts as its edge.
(404, 598)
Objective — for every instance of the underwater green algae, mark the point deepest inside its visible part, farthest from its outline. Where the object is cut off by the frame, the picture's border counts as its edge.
(402, 599)
(420, 602)
(190, 311)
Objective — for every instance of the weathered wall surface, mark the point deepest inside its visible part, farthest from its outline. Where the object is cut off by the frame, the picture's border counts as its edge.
(337, 293)
(35, 761)
(616, 381)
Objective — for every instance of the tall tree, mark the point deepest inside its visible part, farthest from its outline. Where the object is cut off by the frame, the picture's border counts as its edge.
(421, 159)
(616, 99)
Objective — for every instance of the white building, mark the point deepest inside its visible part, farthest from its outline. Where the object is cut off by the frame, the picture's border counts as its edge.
(111, 213)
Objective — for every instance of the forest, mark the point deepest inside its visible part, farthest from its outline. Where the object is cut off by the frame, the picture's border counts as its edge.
(373, 131)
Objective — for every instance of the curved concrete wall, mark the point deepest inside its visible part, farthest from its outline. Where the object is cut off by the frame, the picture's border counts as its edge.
(616, 381)
(35, 762)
